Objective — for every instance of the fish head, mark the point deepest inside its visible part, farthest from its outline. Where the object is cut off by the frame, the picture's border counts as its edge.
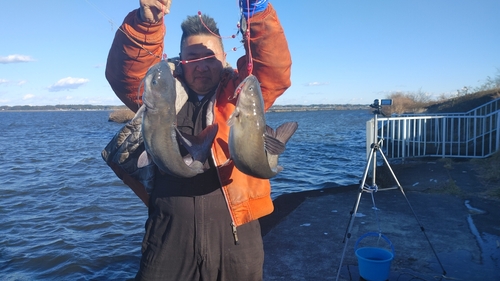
(249, 111)
(250, 95)
(159, 85)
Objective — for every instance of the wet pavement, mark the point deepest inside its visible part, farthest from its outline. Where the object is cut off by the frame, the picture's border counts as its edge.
(437, 232)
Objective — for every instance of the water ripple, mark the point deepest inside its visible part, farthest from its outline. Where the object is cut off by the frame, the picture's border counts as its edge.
(66, 216)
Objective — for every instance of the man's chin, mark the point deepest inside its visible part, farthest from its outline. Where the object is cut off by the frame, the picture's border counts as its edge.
(202, 89)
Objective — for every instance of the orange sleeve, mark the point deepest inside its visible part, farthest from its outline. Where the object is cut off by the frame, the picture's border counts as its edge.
(270, 54)
(136, 47)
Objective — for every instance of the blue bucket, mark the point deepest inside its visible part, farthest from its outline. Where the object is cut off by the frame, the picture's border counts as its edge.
(374, 263)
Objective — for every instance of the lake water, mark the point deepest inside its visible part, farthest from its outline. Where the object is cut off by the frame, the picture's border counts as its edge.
(66, 216)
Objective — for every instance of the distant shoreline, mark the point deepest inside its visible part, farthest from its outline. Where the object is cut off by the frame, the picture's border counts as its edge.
(317, 107)
(61, 107)
(87, 107)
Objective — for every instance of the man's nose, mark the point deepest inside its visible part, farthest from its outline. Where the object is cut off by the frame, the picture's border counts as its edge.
(202, 65)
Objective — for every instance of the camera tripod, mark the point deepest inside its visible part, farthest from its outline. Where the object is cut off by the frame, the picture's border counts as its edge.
(364, 187)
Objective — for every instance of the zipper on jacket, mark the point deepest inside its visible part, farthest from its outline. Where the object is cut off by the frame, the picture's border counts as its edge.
(235, 234)
(233, 225)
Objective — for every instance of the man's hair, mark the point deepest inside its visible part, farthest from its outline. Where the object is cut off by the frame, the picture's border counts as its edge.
(194, 25)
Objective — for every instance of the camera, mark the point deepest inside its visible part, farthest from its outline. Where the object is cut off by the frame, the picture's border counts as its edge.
(380, 102)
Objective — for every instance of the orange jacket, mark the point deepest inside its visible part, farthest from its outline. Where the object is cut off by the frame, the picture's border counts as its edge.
(139, 45)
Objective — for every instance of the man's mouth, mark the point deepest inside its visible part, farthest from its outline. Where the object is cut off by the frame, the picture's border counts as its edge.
(202, 78)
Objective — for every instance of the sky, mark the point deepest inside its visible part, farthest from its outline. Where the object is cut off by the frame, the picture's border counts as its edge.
(343, 52)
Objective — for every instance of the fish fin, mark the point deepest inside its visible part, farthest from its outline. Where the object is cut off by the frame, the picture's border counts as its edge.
(278, 169)
(275, 140)
(197, 166)
(270, 131)
(273, 145)
(285, 131)
(188, 159)
(199, 146)
(144, 160)
(232, 117)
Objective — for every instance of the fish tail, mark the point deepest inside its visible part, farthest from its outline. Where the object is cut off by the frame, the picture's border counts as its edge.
(199, 146)
(285, 131)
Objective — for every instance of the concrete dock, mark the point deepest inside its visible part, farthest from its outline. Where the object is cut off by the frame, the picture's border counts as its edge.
(437, 233)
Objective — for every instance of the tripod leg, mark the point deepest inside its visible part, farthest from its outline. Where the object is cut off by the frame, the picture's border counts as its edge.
(411, 208)
(347, 234)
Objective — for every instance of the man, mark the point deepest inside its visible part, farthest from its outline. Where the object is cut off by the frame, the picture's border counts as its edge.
(204, 227)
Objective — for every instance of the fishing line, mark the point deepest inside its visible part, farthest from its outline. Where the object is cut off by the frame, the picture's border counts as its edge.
(102, 14)
(245, 34)
(128, 35)
(214, 34)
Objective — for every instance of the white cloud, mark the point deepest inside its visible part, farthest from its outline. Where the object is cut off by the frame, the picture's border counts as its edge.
(316, 84)
(8, 82)
(68, 83)
(15, 59)
(28, 96)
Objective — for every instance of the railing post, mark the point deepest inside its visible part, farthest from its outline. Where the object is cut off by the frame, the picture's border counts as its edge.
(369, 136)
(444, 138)
(471, 129)
(498, 132)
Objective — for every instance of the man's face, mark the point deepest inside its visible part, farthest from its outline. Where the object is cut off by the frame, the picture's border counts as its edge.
(203, 75)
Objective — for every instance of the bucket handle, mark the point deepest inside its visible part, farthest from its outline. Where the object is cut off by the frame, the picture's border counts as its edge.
(375, 234)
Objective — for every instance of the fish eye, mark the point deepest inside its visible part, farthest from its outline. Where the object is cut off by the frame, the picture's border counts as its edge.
(154, 82)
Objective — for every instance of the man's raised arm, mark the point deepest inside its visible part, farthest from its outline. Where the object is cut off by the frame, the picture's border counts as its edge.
(138, 44)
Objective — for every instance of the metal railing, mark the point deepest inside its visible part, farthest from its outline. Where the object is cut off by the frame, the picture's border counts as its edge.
(474, 134)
